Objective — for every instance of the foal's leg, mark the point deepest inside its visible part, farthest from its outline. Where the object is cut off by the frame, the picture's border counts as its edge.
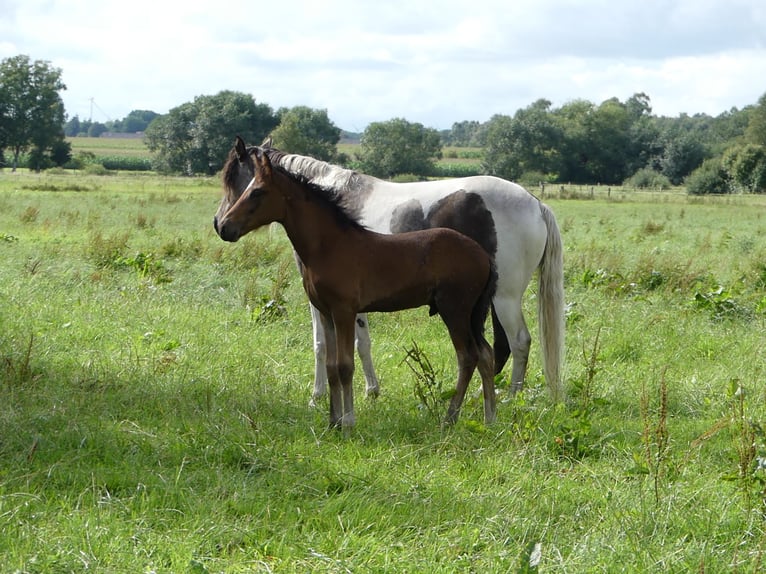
(320, 356)
(466, 365)
(339, 333)
(344, 336)
(364, 348)
(459, 326)
(487, 372)
(333, 377)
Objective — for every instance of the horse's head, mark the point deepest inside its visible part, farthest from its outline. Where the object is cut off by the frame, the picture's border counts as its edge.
(247, 185)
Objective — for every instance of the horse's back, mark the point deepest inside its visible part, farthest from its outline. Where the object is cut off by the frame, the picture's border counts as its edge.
(505, 218)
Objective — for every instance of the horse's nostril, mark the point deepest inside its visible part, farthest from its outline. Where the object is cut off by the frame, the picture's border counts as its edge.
(215, 224)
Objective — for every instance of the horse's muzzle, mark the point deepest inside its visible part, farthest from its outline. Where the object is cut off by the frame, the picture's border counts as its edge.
(225, 232)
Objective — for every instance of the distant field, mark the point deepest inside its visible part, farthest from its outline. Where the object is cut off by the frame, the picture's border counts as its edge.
(135, 147)
(130, 147)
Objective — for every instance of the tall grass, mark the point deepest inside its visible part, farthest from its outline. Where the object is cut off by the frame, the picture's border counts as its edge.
(152, 418)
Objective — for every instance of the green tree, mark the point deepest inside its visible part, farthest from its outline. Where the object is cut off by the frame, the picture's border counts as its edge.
(499, 157)
(681, 155)
(528, 142)
(196, 137)
(136, 121)
(72, 127)
(95, 129)
(606, 143)
(397, 147)
(756, 126)
(576, 143)
(462, 134)
(306, 131)
(31, 110)
(746, 166)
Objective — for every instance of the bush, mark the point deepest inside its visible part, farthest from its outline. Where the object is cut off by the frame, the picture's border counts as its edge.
(647, 178)
(533, 179)
(709, 178)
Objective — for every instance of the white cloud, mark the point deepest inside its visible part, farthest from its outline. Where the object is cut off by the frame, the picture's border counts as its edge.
(436, 63)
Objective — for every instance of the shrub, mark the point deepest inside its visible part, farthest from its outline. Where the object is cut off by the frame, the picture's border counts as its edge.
(647, 178)
(709, 178)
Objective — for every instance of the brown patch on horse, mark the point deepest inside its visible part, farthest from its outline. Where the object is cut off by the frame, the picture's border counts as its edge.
(462, 211)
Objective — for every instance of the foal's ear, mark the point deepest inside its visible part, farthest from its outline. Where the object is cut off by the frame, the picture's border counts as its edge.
(263, 163)
(268, 143)
(240, 149)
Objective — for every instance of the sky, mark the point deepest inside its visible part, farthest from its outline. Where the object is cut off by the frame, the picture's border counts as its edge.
(431, 62)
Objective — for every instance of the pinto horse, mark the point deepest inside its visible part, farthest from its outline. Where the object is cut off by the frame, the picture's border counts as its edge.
(512, 225)
(348, 269)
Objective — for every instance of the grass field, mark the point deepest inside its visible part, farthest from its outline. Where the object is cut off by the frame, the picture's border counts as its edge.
(154, 418)
(130, 147)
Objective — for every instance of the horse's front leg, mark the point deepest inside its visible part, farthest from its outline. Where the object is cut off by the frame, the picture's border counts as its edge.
(364, 348)
(344, 338)
(333, 378)
(339, 336)
(320, 356)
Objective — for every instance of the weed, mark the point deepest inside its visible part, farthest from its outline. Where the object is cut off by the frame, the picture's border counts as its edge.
(30, 214)
(146, 265)
(652, 228)
(574, 438)
(654, 437)
(523, 420)
(32, 265)
(721, 304)
(104, 251)
(428, 381)
(18, 369)
(749, 445)
(271, 306)
(8, 238)
(268, 309)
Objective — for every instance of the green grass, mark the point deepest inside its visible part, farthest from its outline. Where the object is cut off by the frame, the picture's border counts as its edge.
(154, 418)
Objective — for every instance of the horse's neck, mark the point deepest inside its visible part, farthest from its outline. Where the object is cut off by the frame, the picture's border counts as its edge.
(311, 227)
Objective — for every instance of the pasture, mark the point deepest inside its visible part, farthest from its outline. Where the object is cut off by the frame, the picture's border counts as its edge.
(155, 383)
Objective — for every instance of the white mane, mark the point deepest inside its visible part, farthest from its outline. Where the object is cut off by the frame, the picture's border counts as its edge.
(323, 174)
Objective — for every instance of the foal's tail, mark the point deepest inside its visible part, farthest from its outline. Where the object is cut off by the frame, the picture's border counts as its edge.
(482, 306)
(550, 306)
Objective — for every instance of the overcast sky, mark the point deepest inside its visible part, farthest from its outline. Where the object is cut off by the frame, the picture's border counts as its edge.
(425, 61)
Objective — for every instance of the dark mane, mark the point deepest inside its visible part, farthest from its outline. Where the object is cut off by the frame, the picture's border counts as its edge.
(231, 170)
(330, 198)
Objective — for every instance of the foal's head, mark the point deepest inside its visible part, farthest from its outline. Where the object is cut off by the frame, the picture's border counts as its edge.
(247, 202)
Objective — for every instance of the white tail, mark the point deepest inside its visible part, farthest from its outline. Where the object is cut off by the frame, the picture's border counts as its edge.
(550, 307)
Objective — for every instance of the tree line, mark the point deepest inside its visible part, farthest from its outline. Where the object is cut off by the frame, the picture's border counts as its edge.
(610, 143)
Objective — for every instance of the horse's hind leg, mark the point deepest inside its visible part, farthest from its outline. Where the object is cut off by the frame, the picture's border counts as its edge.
(508, 311)
(466, 361)
(487, 372)
(467, 358)
(364, 348)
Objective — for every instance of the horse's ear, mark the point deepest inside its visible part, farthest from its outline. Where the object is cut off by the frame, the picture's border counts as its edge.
(240, 149)
(268, 143)
(264, 163)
